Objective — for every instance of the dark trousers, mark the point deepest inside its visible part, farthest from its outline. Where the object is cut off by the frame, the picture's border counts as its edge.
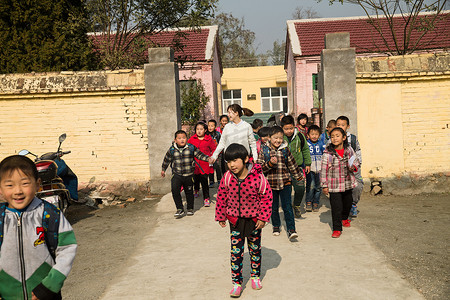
(237, 254)
(203, 180)
(218, 171)
(341, 203)
(284, 196)
(187, 183)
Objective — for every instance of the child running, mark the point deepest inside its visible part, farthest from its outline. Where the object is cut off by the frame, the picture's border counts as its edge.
(278, 164)
(206, 145)
(339, 163)
(37, 243)
(313, 187)
(180, 157)
(244, 198)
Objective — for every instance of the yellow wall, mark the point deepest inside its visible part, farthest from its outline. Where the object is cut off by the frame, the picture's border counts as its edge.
(250, 81)
(106, 127)
(403, 125)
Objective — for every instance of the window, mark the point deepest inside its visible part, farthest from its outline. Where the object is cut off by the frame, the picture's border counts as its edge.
(231, 97)
(274, 99)
(315, 79)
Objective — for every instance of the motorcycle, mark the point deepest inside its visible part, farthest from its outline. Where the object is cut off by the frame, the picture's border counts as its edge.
(59, 184)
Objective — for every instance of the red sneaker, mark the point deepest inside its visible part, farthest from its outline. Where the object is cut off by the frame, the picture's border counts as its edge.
(346, 223)
(336, 234)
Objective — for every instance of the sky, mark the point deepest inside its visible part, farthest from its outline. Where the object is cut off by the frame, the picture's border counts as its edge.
(267, 18)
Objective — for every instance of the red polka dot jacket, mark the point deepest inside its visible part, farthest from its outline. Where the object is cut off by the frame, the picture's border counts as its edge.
(252, 198)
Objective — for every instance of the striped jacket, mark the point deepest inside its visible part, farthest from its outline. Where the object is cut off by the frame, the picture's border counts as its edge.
(182, 160)
(33, 268)
(335, 174)
(278, 175)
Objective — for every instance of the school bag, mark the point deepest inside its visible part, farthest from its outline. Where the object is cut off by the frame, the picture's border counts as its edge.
(262, 183)
(353, 141)
(266, 153)
(50, 222)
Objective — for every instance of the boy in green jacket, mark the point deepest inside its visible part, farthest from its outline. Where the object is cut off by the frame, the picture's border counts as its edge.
(300, 150)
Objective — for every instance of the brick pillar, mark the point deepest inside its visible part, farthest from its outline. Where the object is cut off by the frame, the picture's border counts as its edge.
(338, 76)
(162, 96)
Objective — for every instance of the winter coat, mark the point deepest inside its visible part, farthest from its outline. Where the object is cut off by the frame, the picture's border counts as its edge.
(335, 173)
(252, 198)
(301, 154)
(182, 159)
(207, 147)
(278, 175)
(43, 275)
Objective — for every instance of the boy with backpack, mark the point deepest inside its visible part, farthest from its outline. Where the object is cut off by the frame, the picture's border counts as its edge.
(344, 123)
(38, 246)
(300, 150)
(180, 157)
(280, 167)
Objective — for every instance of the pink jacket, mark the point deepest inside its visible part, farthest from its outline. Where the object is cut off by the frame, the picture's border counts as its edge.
(250, 199)
(207, 146)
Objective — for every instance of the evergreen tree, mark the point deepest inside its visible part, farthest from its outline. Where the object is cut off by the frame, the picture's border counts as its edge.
(44, 35)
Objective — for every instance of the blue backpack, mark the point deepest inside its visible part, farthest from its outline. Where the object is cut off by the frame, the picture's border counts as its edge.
(266, 152)
(50, 222)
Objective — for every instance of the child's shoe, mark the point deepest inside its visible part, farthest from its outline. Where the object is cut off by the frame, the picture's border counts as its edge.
(190, 212)
(297, 212)
(292, 234)
(276, 231)
(256, 283)
(346, 223)
(236, 291)
(308, 206)
(207, 203)
(179, 213)
(315, 207)
(354, 211)
(195, 193)
(336, 234)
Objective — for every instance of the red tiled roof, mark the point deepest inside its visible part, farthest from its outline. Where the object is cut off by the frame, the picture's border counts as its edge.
(363, 36)
(191, 45)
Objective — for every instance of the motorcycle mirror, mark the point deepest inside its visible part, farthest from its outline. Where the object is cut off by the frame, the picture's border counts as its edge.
(62, 137)
(24, 152)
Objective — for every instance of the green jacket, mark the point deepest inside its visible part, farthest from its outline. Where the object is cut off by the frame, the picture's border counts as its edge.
(301, 155)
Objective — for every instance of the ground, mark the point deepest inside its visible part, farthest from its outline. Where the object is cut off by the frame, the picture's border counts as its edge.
(411, 231)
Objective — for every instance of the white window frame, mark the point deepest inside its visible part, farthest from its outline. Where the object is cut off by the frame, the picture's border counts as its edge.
(274, 98)
(233, 100)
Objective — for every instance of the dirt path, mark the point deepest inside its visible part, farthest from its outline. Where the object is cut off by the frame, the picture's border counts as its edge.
(412, 232)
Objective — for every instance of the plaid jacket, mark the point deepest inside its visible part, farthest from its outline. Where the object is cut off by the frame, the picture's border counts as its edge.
(278, 175)
(182, 160)
(335, 173)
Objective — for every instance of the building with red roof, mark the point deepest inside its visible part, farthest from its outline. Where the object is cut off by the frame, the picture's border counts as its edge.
(198, 56)
(305, 41)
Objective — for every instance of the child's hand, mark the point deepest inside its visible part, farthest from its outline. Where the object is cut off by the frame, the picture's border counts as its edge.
(325, 190)
(352, 168)
(222, 224)
(163, 174)
(260, 224)
(211, 160)
(273, 160)
(307, 169)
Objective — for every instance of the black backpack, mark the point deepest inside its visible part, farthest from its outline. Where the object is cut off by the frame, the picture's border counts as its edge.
(50, 222)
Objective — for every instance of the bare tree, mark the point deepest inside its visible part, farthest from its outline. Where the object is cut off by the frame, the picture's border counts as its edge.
(121, 27)
(401, 24)
(304, 13)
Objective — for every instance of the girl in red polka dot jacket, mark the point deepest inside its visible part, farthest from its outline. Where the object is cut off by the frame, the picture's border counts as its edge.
(244, 199)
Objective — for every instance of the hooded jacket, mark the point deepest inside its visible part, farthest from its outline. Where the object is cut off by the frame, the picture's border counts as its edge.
(25, 262)
(251, 198)
(207, 147)
(301, 154)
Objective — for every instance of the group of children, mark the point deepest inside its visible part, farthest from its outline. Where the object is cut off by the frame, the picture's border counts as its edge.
(264, 164)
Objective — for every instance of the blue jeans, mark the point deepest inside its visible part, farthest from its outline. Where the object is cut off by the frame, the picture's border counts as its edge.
(313, 187)
(285, 196)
